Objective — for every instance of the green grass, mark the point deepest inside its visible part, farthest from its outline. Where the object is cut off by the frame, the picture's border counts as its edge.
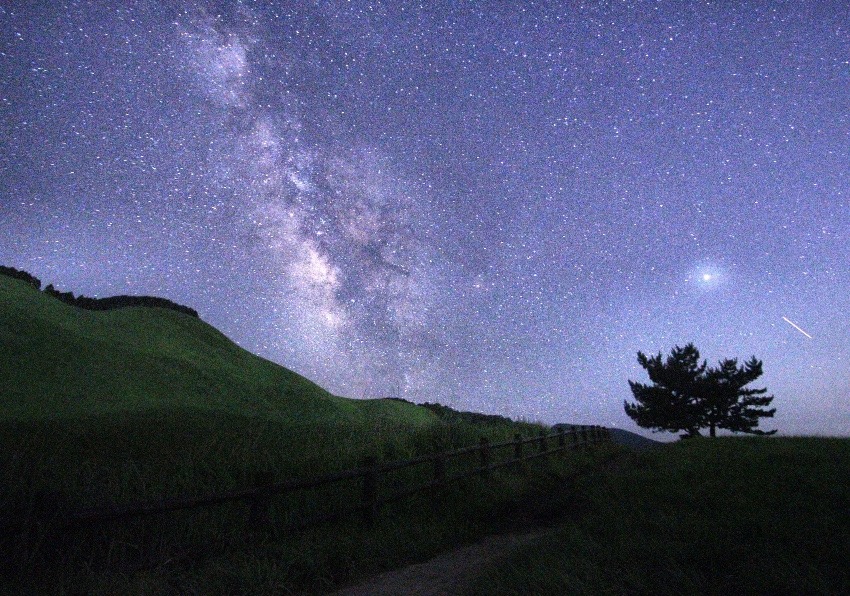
(67, 362)
(724, 516)
(169, 392)
(212, 550)
(112, 407)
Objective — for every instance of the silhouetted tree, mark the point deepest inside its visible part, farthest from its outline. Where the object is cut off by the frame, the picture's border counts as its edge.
(726, 403)
(686, 395)
(670, 402)
(22, 275)
(111, 303)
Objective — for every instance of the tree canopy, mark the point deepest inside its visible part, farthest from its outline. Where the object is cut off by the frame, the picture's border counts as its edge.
(686, 395)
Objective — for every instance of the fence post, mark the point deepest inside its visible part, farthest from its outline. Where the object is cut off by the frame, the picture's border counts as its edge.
(584, 437)
(574, 435)
(542, 441)
(439, 469)
(484, 449)
(260, 502)
(370, 490)
(517, 446)
(562, 441)
(439, 477)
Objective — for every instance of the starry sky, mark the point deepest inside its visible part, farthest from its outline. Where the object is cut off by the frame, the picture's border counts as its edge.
(491, 205)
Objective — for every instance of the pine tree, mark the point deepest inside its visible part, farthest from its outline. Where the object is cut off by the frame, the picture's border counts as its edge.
(670, 402)
(686, 395)
(727, 404)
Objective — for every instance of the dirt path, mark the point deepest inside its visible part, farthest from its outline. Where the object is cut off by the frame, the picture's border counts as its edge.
(449, 572)
(446, 573)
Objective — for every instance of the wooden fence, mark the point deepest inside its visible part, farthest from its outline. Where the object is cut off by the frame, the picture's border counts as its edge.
(259, 497)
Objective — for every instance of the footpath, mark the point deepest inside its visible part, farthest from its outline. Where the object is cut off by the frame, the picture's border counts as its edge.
(447, 573)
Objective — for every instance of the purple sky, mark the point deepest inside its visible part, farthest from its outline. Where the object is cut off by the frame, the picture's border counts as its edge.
(493, 205)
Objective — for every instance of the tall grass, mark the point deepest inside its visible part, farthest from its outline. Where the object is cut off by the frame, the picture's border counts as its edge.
(61, 468)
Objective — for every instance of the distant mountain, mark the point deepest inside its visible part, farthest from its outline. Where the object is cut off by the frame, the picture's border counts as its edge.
(632, 440)
(623, 437)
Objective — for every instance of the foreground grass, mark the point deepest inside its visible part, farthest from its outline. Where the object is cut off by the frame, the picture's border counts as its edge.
(725, 516)
(213, 550)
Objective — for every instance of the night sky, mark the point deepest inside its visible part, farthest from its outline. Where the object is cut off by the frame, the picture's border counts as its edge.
(492, 205)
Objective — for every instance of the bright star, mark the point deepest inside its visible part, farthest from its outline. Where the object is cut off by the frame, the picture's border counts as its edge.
(707, 276)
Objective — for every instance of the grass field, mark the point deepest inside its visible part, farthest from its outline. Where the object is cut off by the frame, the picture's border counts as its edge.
(721, 516)
(102, 408)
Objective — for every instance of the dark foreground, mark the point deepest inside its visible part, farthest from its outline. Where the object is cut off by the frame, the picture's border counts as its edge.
(724, 516)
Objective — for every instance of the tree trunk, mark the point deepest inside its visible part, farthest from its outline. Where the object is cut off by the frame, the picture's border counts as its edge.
(711, 431)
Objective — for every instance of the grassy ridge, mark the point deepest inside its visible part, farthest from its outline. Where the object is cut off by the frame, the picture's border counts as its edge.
(110, 407)
(724, 516)
(67, 362)
(163, 403)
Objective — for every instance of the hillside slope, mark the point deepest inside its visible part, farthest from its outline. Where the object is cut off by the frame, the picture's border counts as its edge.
(60, 361)
(108, 408)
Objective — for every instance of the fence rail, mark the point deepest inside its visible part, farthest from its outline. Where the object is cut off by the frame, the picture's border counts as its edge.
(259, 497)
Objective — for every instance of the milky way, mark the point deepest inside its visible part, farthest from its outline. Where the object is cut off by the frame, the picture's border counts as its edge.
(490, 205)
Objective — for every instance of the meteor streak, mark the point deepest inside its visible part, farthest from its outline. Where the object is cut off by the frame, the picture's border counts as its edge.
(787, 320)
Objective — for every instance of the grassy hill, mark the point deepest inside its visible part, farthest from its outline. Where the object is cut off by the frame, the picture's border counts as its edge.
(150, 401)
(65, 362)
(101, 408)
